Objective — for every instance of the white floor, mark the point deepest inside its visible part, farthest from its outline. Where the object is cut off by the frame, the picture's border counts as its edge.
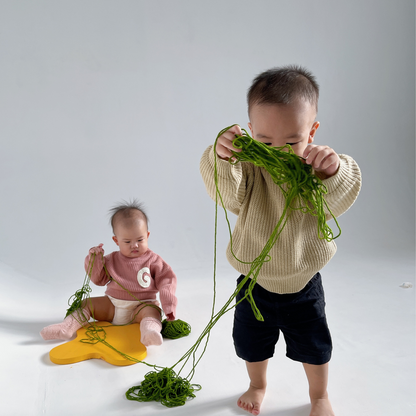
(372, 372)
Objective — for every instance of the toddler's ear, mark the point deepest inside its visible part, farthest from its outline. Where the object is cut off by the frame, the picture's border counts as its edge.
(315, 127)
(251, 129)
(115, 239)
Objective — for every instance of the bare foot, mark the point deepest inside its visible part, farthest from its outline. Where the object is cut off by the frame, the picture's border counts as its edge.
(251, 400)
(321, 407)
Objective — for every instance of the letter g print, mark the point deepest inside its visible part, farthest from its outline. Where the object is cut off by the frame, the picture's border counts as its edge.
(144, 281)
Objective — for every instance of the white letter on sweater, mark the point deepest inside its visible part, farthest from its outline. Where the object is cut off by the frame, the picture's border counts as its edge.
(142, 281)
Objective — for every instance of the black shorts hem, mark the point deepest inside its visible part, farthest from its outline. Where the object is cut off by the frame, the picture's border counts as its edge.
(325, 358)
(255, 358)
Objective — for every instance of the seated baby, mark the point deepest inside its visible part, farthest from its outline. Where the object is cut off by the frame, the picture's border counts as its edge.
(133, 275)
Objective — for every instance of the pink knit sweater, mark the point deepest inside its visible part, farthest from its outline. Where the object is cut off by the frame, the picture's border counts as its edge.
(143, 276)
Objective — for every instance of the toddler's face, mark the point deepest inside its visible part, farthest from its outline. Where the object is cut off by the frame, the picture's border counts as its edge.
(278, 124)
(132, 239)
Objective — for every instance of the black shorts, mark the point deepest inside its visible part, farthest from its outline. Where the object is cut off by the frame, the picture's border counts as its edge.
(300, 316)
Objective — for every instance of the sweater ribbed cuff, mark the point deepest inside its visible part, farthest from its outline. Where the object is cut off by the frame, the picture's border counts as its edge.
(344, 186)
(224, 168)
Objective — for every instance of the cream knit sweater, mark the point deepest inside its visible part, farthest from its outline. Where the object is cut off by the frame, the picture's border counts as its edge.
(249, 192)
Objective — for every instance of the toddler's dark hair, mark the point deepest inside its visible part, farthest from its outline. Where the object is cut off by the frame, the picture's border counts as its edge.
(283, 85)
(127, 210)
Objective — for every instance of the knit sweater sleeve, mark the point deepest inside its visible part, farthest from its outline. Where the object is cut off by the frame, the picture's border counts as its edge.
(96, 270)
(165, 281)
(232, 180)
(343, 187)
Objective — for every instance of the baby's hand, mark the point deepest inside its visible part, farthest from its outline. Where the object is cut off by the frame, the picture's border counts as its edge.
(170, 317)
(225, 142)
(97, 250)
(322, 158)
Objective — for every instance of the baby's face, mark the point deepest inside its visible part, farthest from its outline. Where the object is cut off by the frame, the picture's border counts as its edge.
(278, 125)
(132, 239)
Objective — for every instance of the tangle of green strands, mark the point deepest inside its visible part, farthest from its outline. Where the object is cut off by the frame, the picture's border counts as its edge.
(292, 175)
(80, 295)
(175, 329)
(164, 386)
(296, 180)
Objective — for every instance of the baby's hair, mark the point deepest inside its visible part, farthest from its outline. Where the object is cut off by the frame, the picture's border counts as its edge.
(283, 85)
(127, 211)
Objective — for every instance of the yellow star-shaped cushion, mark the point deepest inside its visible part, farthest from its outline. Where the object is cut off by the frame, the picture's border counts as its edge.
(124, 338)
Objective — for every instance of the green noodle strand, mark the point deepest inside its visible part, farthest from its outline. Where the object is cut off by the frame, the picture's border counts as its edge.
(302, 191)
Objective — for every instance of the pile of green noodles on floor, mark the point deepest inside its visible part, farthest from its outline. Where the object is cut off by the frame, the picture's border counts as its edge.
(303, 191)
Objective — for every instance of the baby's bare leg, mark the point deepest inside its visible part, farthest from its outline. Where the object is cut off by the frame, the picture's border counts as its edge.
(150, 325)
(101, 308)
(251, 400)
(145, 310)
(318, 382)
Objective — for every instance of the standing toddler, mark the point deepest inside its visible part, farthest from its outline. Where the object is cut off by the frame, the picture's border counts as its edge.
(282, 108)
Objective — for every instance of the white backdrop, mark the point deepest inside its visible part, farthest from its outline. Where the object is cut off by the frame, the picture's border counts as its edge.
(104, 100)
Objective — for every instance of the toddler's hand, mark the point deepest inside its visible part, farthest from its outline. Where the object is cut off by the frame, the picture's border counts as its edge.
(225, 142)
(97, 250)
(322, 158)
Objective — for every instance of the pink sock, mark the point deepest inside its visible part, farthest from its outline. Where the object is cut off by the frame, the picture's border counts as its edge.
(150, 332)
(66, 329)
